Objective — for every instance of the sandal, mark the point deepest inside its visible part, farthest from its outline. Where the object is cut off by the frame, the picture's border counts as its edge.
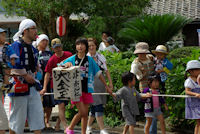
(68, 131)
(57, 129)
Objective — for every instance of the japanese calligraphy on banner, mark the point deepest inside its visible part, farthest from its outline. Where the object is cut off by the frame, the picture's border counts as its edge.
(67, 83)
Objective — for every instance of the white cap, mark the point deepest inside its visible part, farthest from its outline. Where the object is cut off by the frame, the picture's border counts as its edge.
(42, 37)
(193, 64)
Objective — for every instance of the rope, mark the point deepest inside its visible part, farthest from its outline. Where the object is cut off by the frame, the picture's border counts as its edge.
(163, 95)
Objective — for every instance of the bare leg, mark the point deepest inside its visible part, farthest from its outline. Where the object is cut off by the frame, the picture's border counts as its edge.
(90, 121)
(2, 131)
(162, 123)
(11, 132)
(126, 127)
(57, 127)
(84, 119)
(37, 132)
(197, 127)
(148, 124)
(82, 113)
(47, 114)
(131, 129)
(100, 122)
(61, 113)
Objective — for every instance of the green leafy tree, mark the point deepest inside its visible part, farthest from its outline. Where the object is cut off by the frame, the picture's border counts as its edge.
(104, 15)
(109, 15)
(45, 12)
(155, 30)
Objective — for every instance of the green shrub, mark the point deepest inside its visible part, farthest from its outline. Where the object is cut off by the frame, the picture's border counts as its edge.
(181, 52)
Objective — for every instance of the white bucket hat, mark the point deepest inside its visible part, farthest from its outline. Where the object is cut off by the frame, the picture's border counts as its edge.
(193, 64)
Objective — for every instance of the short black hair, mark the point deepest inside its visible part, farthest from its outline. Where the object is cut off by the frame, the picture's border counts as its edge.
(153, 76)
(126, 77)
(107, 33)
(82, 40)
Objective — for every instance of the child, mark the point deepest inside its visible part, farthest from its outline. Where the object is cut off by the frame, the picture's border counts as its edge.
(143, 65)
(162, 64)
(89, 69)
(192, 108)
(152, 107)
(129, 96)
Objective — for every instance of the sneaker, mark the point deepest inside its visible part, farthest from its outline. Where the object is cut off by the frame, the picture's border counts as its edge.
(89, 130)
(103, 131)
(68, 131)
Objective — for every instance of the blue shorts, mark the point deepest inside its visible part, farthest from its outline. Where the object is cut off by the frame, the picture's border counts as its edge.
(96, 110)
(155, 113)
(26, 108)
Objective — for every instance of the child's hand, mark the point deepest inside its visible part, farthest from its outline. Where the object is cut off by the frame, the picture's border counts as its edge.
(43, 91)
(68, 64)
(197, 95)
(148, 95)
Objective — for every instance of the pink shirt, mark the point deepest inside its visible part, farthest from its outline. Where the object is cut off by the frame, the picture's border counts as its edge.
(155, 99)
(52, 63)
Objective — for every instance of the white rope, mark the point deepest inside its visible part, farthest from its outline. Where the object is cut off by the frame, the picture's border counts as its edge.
(174, 96)
(163, 95)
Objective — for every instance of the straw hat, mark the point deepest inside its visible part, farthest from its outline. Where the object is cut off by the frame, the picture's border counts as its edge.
(160, 49)
(141, 47)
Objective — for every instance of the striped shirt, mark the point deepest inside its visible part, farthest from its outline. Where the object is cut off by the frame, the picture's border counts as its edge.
(100, 60)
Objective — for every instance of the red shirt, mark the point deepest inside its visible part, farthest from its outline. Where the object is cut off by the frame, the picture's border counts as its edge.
(52, 63)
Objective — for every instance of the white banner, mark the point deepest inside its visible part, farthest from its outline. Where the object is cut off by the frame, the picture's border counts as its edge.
(67, 83)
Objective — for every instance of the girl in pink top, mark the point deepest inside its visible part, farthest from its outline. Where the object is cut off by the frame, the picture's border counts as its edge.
(152, 107)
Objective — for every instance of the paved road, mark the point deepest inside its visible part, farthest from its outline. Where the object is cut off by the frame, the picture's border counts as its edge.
(118, 130)
(78, 131)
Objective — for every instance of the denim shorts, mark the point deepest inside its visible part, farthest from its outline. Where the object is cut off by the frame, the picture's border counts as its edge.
(155, 113)
(96, 110)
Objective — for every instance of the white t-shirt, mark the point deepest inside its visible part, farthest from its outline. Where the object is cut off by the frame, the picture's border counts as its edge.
(100, 60)
(189, 83)
(102, 46)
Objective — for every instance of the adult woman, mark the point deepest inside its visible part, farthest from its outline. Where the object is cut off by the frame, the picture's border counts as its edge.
(96, 109)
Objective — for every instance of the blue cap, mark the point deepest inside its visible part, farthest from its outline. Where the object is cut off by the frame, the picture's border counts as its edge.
(2, 30)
